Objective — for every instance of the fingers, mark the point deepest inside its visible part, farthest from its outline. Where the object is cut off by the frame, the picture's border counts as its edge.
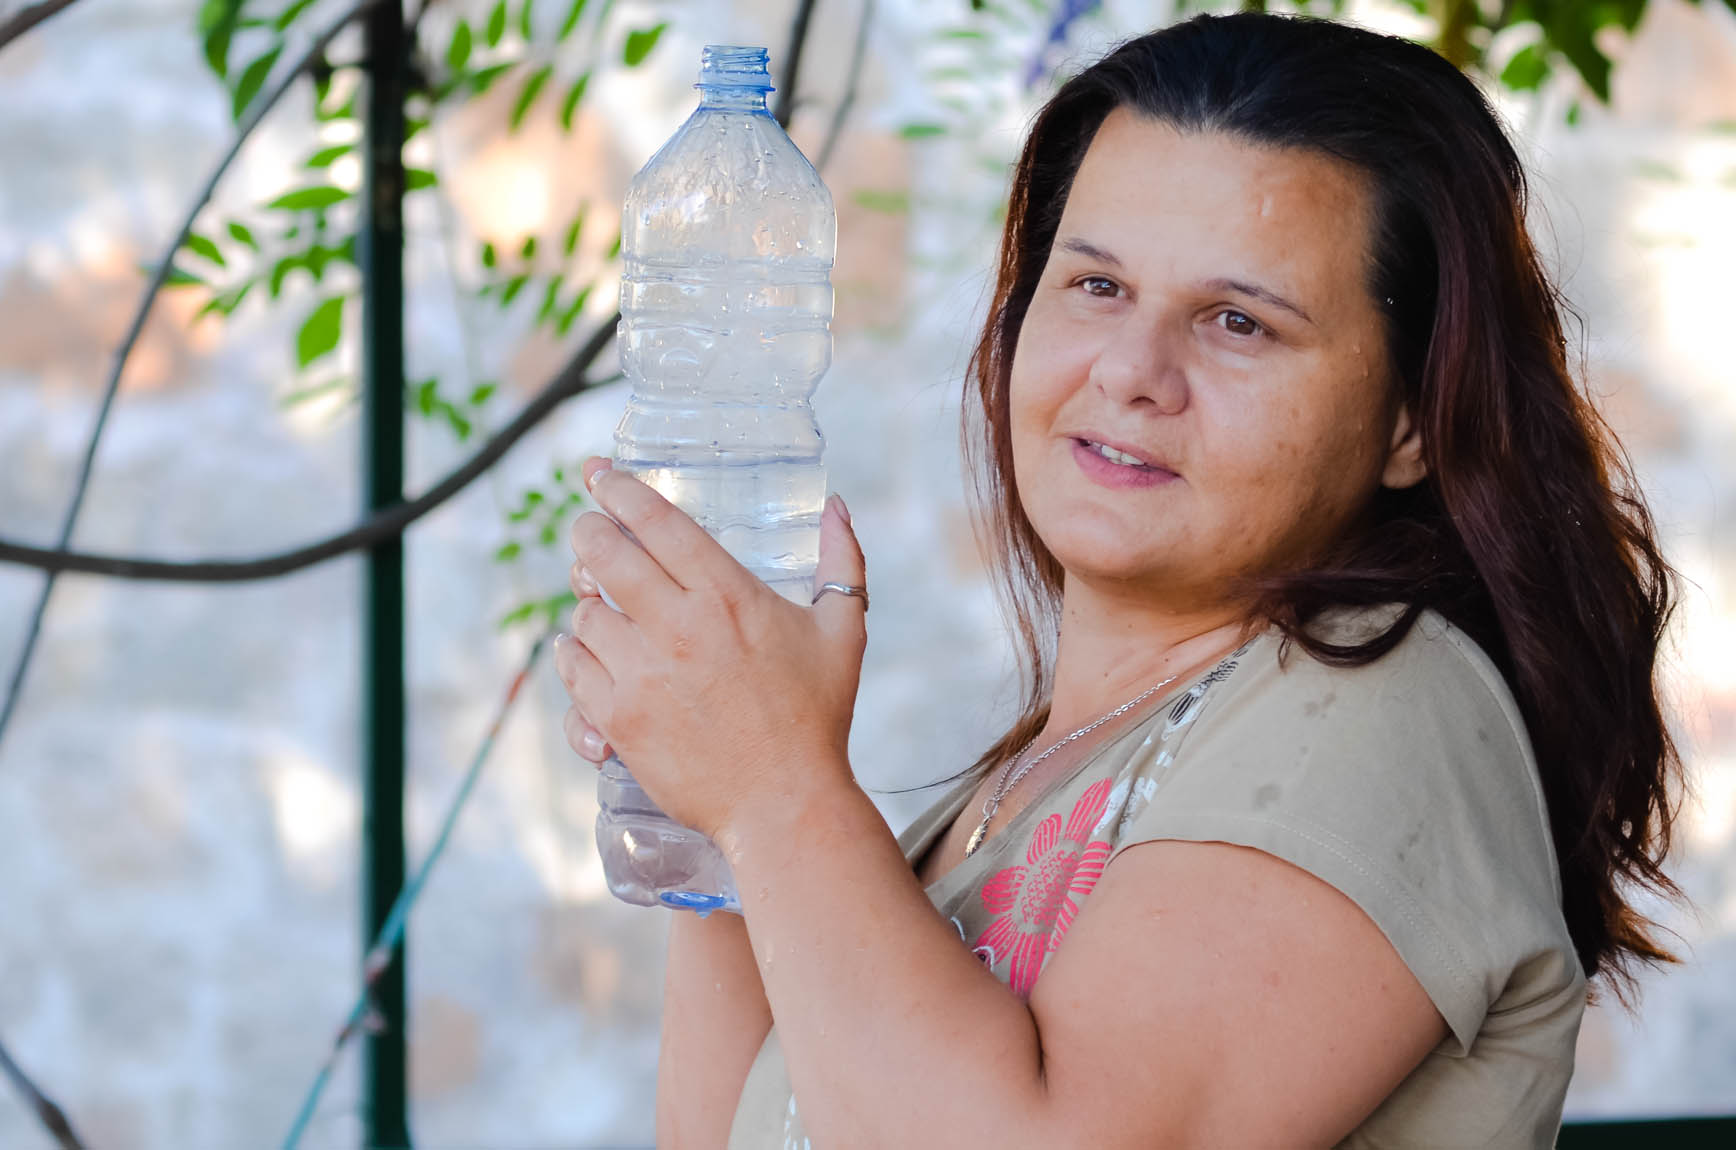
(606, 636)
(635, 581)
(679, 545)
(583, 583)
(841, 561)
(591, 690)
(583, 738)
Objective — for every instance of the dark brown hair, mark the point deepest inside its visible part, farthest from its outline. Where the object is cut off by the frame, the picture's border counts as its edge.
(1529, 533)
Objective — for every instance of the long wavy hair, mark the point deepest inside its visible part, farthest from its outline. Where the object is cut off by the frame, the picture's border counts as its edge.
(1529, 533)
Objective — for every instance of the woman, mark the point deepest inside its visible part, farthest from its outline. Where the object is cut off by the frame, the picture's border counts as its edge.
(1338, 605)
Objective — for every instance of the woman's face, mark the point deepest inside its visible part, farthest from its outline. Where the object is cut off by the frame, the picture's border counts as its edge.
(1204, 319)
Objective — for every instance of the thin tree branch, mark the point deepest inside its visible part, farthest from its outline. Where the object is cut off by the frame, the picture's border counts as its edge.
(852, 81)
(52, 1117)
(568, 383)
(785, 105)
(25, 19)
(32, 633)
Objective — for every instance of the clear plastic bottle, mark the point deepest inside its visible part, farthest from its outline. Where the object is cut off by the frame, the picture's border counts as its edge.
(727, 238)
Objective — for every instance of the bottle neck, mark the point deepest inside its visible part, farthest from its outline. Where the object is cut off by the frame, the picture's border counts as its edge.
(735, 98)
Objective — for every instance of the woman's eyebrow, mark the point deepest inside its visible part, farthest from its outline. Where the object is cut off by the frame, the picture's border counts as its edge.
(1092, 252)
(1257, 292)
(1089, 250)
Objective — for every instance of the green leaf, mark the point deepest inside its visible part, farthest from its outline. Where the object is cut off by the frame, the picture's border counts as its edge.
(288, 15)
(426, 394)
(512, 288)
(573, 310)
(1527, 69)
(877, 200)
(483, 78)
(321, 332)
(216, 23)
(324, 157)
(177, 277)
(314, 391)
(571, 103)
(507, 554)
(308, 199)
(281, 270)
(344, 111)
(570, 243)
(415, 179)
(532, 498)
(523, 611)
(548, 535)
(496, 25)
(242, 235)
(571, 22)
(615, 247)
(200, 246)
(551, 297)
(640, 42)
(458, 51)
(489, 258)
(413, 125)
(252, 80)
(460, 425)
(525, 28)
(527, 95)
(527, 252)
(1573, 113)
(922, 131)
(1657, 170)
(482, 393)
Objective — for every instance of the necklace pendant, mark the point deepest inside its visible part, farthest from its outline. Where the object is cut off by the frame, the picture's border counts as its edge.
(976, 837)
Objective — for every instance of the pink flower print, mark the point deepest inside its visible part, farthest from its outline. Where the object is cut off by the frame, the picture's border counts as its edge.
(1036, 903)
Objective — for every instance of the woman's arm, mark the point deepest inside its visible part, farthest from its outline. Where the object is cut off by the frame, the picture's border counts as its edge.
(1207, 995)
(715, 1017)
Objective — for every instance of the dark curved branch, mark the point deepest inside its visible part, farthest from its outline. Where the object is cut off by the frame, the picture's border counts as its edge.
(314, 52)
(53, 1119)
(27, 18)
(785, 105)
(568, 383)
(852, 82)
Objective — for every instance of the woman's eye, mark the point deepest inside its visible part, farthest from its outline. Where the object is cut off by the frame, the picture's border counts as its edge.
(1099, 285)
(1240, 323)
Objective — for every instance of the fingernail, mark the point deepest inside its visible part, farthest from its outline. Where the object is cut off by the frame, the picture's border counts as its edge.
(598, 473)
(837, 502)
(587, 582)
(593, 744)
(561, 637)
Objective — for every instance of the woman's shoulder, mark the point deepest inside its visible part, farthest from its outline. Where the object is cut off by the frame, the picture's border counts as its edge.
(1408, 783)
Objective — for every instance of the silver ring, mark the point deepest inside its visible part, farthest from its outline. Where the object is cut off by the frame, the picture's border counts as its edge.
(843, 589)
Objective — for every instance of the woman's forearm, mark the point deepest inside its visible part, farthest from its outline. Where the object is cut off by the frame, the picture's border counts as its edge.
(894, 1033)
(715, 1017)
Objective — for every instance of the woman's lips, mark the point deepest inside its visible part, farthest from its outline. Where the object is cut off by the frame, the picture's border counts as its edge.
(1107, 473)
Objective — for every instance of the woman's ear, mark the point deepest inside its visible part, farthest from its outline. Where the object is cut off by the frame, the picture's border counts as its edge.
(1404, 457)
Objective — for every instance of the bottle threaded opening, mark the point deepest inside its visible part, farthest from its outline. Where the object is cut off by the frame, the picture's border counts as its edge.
(734, 66)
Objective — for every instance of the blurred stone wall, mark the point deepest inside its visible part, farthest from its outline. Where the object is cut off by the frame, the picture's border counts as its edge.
(179, 791)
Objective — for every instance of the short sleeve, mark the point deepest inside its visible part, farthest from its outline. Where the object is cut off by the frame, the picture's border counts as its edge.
(1408, 785)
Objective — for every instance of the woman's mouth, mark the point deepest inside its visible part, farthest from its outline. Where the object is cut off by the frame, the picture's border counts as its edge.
(1112, 467)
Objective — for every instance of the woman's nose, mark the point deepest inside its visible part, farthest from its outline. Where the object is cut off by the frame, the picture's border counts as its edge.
(1140, 363)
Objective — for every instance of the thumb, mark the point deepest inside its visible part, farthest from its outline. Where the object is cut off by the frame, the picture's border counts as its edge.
(841, 561)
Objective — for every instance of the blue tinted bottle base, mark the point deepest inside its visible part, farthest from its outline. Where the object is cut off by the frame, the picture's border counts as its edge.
(692, 900)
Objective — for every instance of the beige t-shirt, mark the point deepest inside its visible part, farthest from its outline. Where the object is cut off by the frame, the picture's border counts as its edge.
(1409, 785)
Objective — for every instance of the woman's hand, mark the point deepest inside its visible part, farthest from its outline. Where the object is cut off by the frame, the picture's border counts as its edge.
(715, 690)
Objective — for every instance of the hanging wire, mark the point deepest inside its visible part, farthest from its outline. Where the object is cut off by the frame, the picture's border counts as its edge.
(379, 954)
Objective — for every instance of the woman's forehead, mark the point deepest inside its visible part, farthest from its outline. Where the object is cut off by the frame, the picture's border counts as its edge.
(1147, 191)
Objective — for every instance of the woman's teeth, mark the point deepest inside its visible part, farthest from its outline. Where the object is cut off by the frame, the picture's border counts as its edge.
(1115, 456)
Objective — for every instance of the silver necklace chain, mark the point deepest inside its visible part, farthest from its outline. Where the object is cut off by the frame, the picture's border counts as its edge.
(1006, 784)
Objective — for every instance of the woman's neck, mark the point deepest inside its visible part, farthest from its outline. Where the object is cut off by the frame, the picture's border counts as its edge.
(1112, 647)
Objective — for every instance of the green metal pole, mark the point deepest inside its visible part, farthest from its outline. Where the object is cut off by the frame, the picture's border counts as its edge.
(380, 248)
